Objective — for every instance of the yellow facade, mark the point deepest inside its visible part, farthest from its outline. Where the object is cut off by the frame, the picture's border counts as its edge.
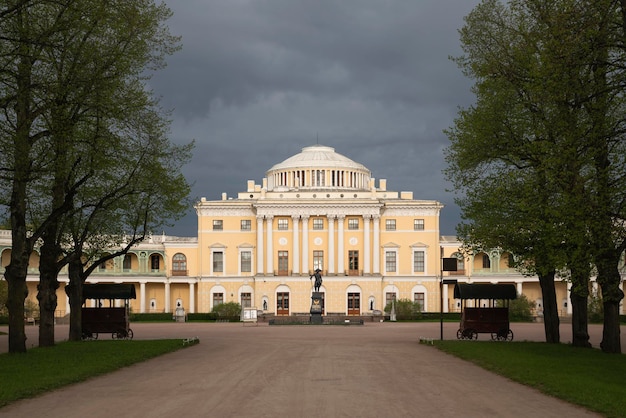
(316, 209)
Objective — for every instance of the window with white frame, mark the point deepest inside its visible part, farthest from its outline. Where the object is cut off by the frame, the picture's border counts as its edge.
(418, 261)
(318, 260)
(283, 224)
(418, 297)
(353, 223)
(246, 261)
(390, 261)
(218, 298)
(318, 224)
(390, 224)
(246, 225)
(418, 224)
(218, 262)
(218, 225)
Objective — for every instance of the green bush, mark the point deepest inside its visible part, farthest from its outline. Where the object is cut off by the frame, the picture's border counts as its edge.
(151, 317)
(520, 309)
(405, 310)
(205, 316)
(229, 310)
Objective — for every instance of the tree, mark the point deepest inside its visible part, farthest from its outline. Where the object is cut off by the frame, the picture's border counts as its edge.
(532, 156)
(71, 71)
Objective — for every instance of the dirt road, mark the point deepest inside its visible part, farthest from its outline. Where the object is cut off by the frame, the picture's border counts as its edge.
(374, 370)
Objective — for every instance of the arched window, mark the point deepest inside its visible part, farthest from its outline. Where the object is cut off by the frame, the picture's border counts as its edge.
(179, 265)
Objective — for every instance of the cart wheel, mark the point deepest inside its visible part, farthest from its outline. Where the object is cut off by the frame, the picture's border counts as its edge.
(472, 334)
(94, 336)
(509, 335)
(86, 336)
(119, 334)
(495, 336)
(129, 334)
(459, 334)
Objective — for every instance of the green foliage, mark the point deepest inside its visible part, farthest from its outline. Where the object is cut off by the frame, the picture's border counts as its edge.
(520, 309)
(202, 316)
(151, 317)
(228, 310)
(405, 310)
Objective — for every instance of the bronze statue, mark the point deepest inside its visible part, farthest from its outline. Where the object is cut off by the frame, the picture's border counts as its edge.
(318, 279)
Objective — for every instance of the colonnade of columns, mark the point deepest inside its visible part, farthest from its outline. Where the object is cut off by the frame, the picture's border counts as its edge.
(300, 247)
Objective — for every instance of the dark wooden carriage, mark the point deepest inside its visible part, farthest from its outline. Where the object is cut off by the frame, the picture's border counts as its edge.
(485, 316)
(108, 320)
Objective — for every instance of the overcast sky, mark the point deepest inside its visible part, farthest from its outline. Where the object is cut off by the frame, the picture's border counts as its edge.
(258, 80)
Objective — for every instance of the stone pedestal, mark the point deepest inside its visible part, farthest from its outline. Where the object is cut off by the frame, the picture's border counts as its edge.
(316, 308)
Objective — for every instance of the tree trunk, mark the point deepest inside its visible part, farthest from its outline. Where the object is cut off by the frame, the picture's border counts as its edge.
(17, 292)
(579, 295)
(580, 332)
(75, 293)
(550, 308)
(48, 285)
(609, 279)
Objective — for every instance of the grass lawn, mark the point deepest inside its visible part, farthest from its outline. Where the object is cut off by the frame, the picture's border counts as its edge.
(586, 377)
(44, 369)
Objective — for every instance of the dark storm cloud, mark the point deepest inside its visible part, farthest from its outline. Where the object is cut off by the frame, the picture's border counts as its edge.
(258, 80)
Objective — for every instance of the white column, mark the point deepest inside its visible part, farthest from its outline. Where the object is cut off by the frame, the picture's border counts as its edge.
(519, 288)
(270, 249)
(142, 297)
(376, 244)
(445, 298)
(259, 245)
(366, 244)
(296, 244)
(331, 244)
(192, 298)
(167, 297)
(305, 244)
(340, 248)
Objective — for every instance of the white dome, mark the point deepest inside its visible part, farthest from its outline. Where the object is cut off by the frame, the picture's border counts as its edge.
(318, 167)
(318, 156)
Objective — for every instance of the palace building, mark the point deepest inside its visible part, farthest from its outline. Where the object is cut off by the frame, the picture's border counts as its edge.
(315, 210)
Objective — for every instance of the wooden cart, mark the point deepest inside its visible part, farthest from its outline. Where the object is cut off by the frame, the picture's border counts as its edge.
(485, 316)
(108, 320)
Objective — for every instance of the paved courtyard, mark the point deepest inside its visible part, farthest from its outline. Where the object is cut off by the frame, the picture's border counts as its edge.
(374, 370)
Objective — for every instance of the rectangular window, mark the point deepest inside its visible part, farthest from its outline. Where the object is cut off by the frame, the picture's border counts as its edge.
(246, 300)
(390, 261)
(283, 224)
(353, 263)
(246, 225)
(318, 260)
(218, 261)
(218, 225)
(390, 225)
(283, 263)
(418, 261)
(419, 299)
(390, 297)
(418, 224)
(218, 298)
(318, 224)
(353, 223)
(246, 261)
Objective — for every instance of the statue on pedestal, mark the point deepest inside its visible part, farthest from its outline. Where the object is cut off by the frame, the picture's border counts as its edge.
(318, 279)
